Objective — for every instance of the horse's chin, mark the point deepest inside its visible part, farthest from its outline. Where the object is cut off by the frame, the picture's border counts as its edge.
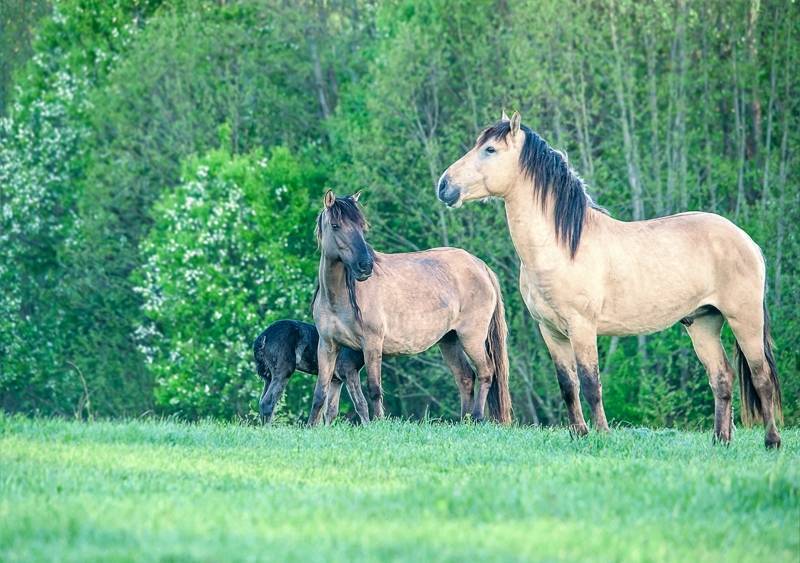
(363, 277)
(456, 204)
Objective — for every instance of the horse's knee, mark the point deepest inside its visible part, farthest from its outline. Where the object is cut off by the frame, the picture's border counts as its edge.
(722, 386)
(375, 391)
(568, 387)
(485, 379)
(320, 396)
(590, 384)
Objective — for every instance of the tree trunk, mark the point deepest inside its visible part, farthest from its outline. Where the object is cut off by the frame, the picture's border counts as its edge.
(655, 148)
(768, 139)
(741, 136)
(634, 178)
(707, 114)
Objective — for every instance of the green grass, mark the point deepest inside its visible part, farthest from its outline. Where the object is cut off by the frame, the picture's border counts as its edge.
(163, 490)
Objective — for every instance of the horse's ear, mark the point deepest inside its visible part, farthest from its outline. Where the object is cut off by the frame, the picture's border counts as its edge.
(330, 198)
(516, 120)
(356, 195)
(504, 117)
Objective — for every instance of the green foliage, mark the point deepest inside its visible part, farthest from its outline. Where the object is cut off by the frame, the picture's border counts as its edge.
(226, 253)
(36, 159)
(118, 96)
(402, 492)
(45, 362)
(18, 19)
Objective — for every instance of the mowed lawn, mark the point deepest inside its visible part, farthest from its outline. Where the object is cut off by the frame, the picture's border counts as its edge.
(154, 490)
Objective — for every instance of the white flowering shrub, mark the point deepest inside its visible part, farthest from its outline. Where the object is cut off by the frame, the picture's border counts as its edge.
(231, 250)
(38, 158)
(45, 146)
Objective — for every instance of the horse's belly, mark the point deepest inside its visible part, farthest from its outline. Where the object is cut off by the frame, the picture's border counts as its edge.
(414, 341)
(645, 316)
(633, 326)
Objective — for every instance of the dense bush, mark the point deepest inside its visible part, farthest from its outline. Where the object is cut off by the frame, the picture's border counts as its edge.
(228, 253)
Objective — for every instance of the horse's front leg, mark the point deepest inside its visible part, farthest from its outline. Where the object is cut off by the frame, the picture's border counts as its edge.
(353, 382)
(566, 372)
(326, 359)
(372, 361)
(584, 345)
(334, 392)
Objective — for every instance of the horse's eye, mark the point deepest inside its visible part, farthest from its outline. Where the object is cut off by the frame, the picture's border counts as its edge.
(490, 149)
(335, 226)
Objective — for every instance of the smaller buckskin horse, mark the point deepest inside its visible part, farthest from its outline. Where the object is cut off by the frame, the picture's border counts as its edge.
(584, 274)
(287, 346)
(404, 304)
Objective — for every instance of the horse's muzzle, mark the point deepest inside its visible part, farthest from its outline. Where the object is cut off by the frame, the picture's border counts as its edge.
(448, 193)
(363, 270)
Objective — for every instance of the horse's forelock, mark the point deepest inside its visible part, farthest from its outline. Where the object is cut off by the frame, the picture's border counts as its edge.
(343, 210)
(499, 131)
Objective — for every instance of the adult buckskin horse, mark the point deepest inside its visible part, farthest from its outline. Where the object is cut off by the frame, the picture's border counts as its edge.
(404, 304)
(585, 274)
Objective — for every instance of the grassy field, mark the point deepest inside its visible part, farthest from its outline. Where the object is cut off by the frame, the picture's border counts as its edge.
(169, 491)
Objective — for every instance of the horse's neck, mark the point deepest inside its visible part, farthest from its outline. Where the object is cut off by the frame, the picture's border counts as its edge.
(532, 228)
(332, 282)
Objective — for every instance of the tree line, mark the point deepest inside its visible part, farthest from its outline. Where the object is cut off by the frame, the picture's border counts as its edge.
(162, 163)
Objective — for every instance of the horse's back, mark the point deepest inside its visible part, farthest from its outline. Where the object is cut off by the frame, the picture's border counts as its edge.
(413, 299)
(660, 270)
(717, 238)
(452, 264)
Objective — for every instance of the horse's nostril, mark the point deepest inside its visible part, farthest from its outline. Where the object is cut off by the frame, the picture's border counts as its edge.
(442, 184)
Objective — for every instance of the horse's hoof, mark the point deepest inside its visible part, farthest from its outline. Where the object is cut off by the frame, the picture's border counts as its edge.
(772, 442)
(579, 430)
(722, 439)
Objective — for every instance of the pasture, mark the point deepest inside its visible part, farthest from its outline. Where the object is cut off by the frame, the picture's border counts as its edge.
(162, 490)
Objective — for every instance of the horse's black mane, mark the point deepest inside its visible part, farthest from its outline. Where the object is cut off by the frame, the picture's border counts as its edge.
(345, 210)
(551, 174)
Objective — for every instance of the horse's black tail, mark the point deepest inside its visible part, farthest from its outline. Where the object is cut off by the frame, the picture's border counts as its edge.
(499, 398)
(260, 355)
(751, 402)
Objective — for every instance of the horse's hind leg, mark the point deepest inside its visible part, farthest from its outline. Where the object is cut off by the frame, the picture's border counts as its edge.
(280, 375)
(475, 348)
(749, 333)
(267, 381)
(705, 334)
(372, 361)
(456, 360)
(564, 360)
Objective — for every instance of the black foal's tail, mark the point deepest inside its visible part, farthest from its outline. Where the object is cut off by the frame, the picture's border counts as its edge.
(499, 398)
(260, 354)
(751, 402)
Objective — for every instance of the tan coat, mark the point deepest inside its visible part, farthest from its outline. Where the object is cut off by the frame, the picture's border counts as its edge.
(624, 278)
